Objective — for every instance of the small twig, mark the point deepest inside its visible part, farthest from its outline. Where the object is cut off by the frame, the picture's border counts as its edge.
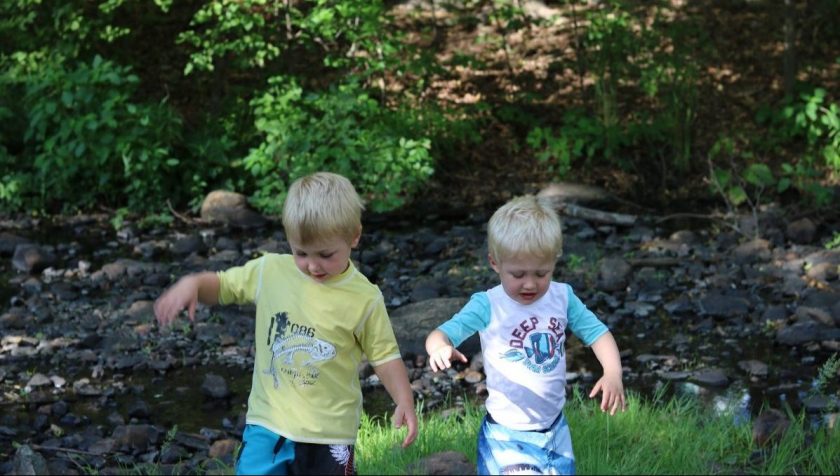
(185, 219)
(63, 450)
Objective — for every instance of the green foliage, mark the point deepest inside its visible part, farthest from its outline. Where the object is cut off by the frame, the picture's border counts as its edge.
(579, 137)
(834, 242)
(811, 118)
(90, 143)
(342, 130)
(256, 33)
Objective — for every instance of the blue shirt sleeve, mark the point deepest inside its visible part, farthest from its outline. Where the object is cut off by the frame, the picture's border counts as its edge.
(582, 321)
(473, 317)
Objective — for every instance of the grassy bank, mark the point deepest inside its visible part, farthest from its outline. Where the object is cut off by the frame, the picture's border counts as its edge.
(651, 437)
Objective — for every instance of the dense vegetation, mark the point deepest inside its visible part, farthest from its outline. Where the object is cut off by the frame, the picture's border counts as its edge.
(128, 104)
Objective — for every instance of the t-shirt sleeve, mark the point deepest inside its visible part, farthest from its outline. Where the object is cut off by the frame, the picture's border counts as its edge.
(582, 321)
(376, 336)
(473, 317)
(241, 284)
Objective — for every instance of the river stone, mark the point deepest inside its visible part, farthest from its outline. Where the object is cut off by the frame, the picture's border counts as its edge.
(29, 462)
(135, 437)
(801, 231)
(613, 274)
(712, 377)
(769, 427)
(752, 251)
(8, 243)
(754, 367)
(223, 449)
(413, 322)
(215, 386)
(719, 305)
(230, 208)
(447, 462)
(31, 258)
(799, 333)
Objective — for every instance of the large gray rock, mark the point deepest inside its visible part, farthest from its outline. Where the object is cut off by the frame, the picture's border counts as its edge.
(29, 462)
(413, 322)
(230, 208)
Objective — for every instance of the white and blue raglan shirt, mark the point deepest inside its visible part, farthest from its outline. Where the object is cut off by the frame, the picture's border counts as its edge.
(524, 350)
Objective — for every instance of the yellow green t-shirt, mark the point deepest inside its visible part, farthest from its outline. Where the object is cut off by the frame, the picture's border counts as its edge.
(310, 338)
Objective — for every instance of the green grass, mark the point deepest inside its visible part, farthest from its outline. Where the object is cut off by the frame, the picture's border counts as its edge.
(651, 437)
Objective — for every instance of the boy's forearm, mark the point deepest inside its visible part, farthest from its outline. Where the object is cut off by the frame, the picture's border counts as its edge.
(394, 377)
(436, 340)
(207, 284)
(606, 351)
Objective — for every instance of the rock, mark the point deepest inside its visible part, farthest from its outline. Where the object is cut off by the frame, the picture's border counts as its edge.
(230, 208)
(712, 377)
(188, 245)
(720, 305)
(447, 462)
(9, 242)
(754, 367)
(801, 231)
(769, 427)
(613, 274)
(29, 462)
(757, 250)
(800, 333)
(137, 438)
(223, 449)
(31, 258)
(215, 386)
(413, 322)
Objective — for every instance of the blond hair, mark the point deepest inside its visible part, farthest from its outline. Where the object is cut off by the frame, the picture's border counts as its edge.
(321, 206)
(525, 226)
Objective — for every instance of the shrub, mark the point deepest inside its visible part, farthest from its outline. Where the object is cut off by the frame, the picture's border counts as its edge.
(342, 130)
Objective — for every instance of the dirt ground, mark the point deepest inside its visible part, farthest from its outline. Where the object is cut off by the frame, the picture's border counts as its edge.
(740, 68)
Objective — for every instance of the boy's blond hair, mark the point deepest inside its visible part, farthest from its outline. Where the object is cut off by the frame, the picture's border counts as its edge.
(525, 226)
(321, 206)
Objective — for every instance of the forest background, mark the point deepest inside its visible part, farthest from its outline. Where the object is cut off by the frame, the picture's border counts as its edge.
(134, 106)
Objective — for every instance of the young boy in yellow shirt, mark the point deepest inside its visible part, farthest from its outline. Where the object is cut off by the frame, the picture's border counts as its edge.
(522, 324)
(316, 314)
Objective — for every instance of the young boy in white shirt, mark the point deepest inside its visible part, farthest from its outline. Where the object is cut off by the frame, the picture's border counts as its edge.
(522, 326)
(316, 314)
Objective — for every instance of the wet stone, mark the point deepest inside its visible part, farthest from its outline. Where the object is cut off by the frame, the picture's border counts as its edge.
(712, 377)
(215, 386)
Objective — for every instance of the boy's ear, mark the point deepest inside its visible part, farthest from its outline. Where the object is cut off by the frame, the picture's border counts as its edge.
(355, 242)
(493, 263)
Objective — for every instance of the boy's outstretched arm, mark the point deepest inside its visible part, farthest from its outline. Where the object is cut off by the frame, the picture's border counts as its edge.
(441, 351)
(395, 378)
(189, 290)
(610, 384)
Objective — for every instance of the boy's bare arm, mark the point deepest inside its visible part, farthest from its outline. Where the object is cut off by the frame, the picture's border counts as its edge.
(185, 294)
(395, 378)
(610, 384)
(441, 351)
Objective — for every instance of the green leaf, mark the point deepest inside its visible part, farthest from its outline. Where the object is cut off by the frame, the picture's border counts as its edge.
(737, 195)
(759, 175)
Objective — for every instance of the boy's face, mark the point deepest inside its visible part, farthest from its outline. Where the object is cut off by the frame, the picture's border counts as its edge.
(524, 278)
(325, 258)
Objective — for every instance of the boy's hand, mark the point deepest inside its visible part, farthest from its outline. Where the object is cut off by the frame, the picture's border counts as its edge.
(442, 358)
(183, 294)
(404, 414)
(612, 397)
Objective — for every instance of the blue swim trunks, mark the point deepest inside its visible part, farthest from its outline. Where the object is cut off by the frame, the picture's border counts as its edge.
(502, 450)
(266, 452)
